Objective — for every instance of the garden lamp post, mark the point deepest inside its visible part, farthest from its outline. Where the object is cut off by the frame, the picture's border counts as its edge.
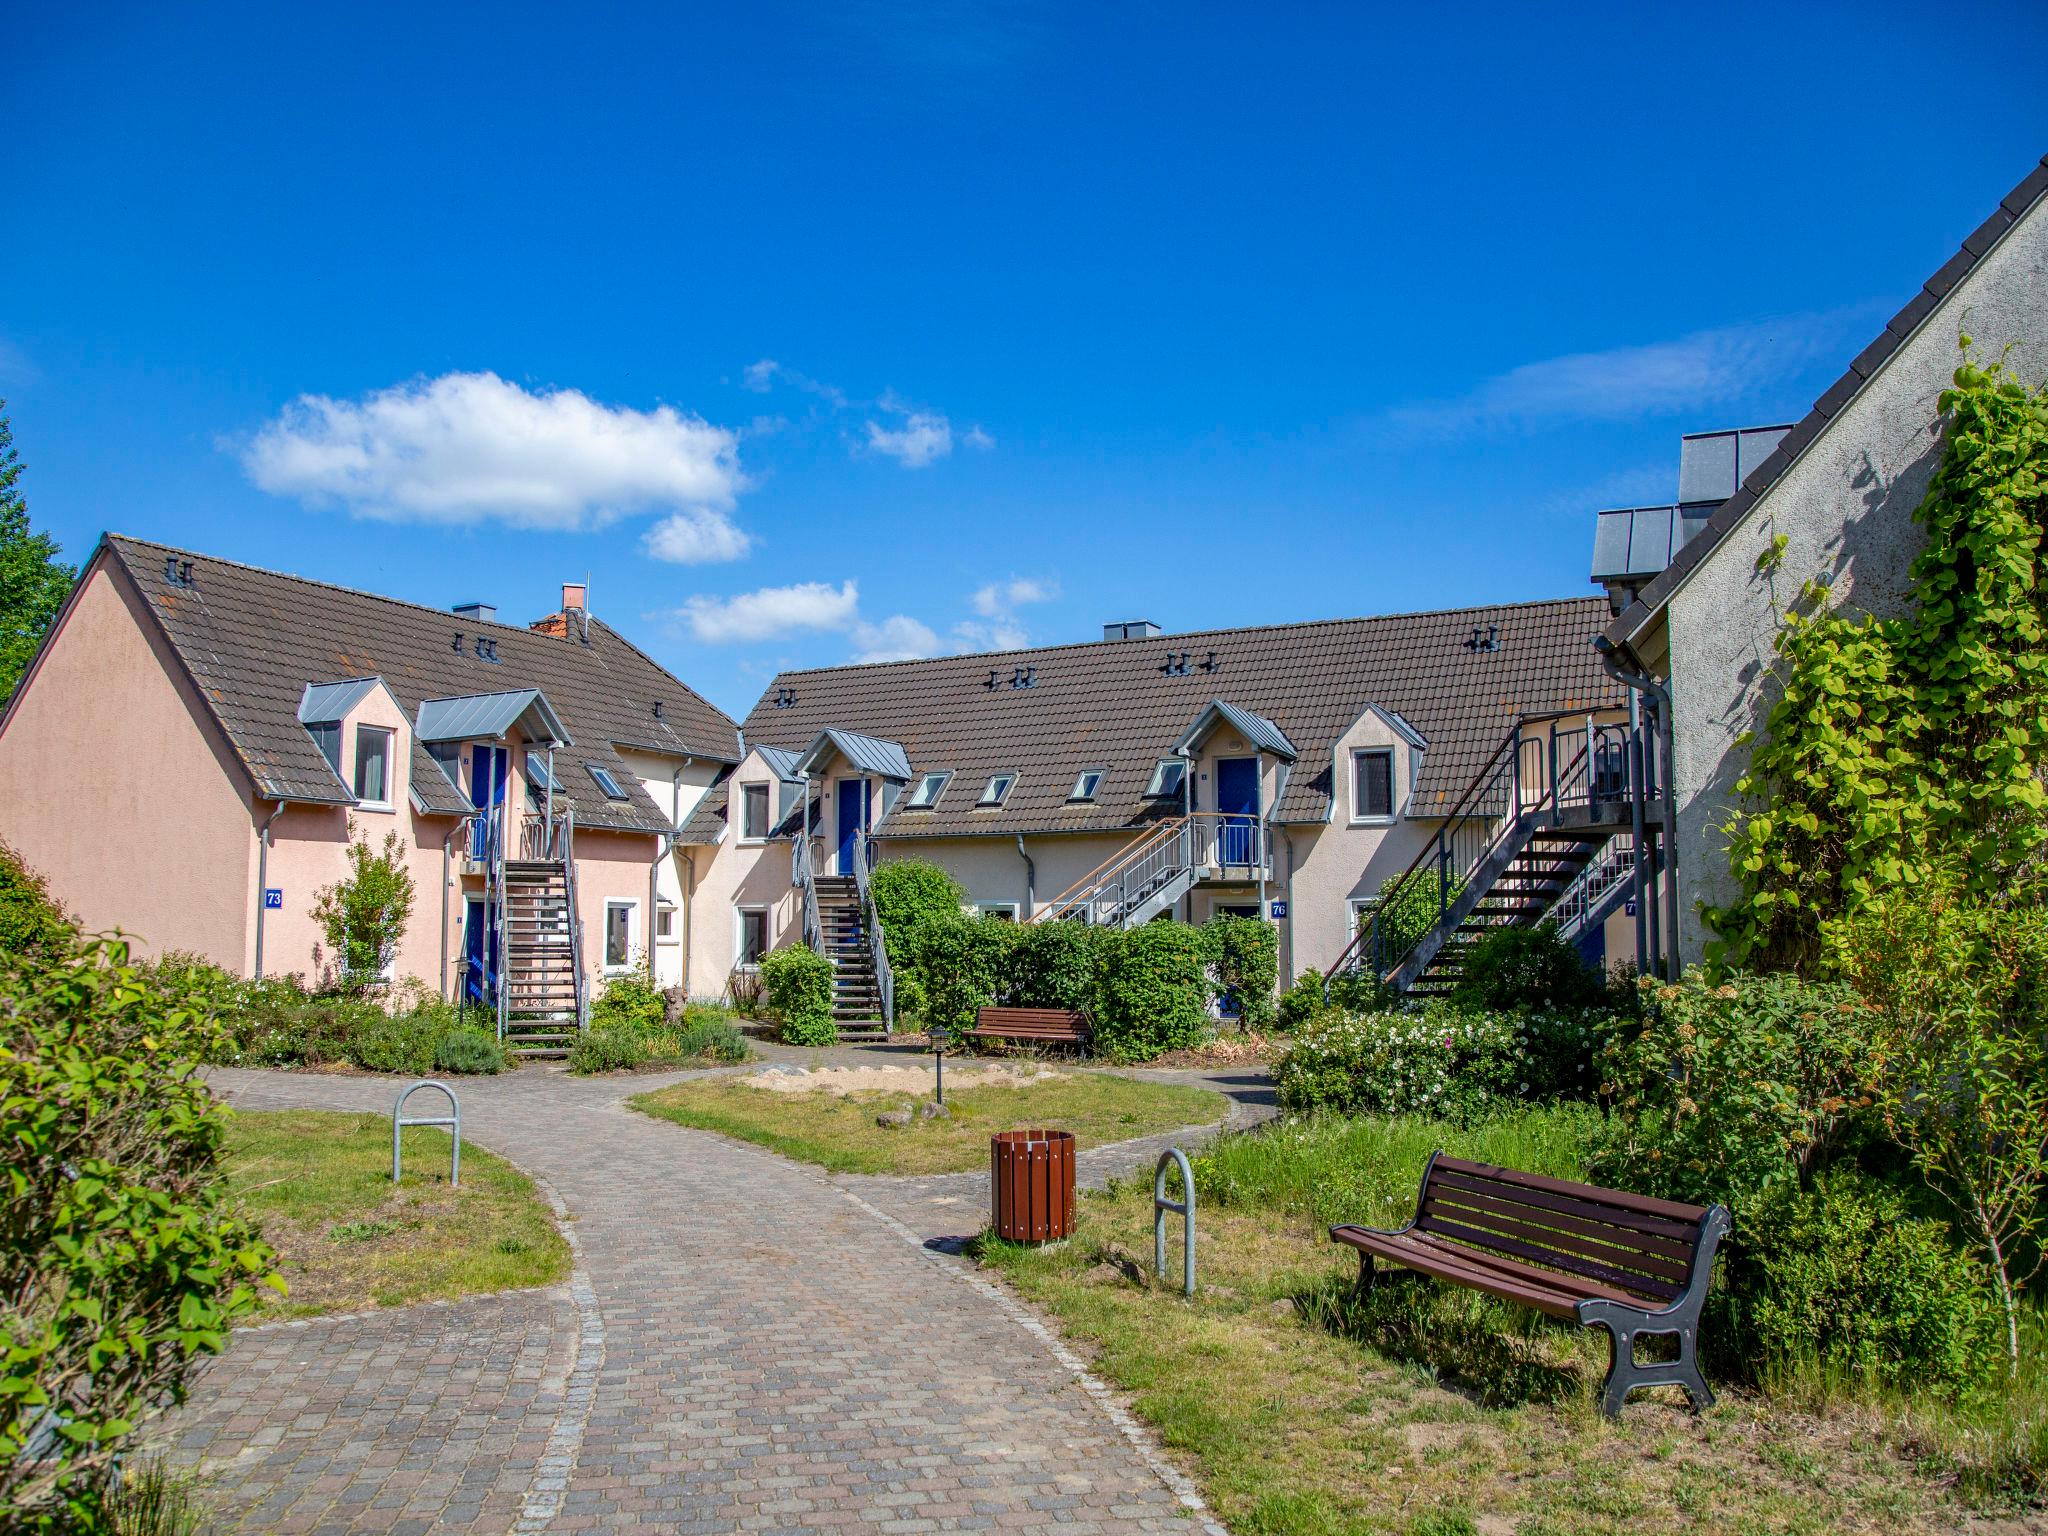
(940, 1038)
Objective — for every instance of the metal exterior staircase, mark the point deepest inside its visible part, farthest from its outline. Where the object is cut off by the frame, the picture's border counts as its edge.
(1143, 879)
(845, 939)
(542, 1005)
(1546, 810)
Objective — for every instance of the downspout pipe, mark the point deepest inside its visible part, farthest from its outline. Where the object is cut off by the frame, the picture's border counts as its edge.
(1030, 879)
(1617, 662)
(664, 846)
(263, 878)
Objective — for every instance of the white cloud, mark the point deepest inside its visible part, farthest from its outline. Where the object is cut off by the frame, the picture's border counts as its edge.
(772, 611)
(1002, 597)
(923, 437)
(999, 628)
(760, 377)
(898, 638)
(997, 635)
(699, 536)
(471, 447)
(1708, 368)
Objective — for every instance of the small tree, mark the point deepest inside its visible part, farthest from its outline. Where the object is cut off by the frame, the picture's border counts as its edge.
(33, 581)
(364, 915)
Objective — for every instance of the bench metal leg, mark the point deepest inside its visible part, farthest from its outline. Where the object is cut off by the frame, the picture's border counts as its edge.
(1365, 1275)
(1625, 1373)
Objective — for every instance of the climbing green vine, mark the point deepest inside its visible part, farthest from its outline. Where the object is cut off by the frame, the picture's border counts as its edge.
(1900, 746)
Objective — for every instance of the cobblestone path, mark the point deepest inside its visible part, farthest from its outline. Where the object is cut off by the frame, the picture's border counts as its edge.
(745, 1345)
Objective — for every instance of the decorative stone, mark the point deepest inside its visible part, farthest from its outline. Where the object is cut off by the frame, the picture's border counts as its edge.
(893, 1120)
(931, 1109)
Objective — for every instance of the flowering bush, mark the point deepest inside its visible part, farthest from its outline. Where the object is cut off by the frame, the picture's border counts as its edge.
(1434, 1061)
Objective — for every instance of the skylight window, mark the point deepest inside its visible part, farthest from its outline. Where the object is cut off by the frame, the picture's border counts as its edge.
(927, 793)
(1086, 784)
(1167, 777)
(537, 771)
(996, 791)
(606, 782)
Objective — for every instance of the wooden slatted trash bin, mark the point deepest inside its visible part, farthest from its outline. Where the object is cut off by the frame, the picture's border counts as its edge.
(1031, 1185)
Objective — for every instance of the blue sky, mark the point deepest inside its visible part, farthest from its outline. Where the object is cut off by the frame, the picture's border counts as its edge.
(808, 333)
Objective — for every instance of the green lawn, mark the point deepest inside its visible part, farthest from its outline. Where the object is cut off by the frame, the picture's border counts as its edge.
(1428, 1411)
(840, 1133)
(348, 1239)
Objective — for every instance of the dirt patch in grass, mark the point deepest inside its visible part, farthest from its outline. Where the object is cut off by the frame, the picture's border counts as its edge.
(839, 1130)
(914, 1081)
(1301, 1413)
(349, 1240)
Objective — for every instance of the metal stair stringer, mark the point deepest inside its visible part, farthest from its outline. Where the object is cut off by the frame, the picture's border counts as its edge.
(1478, 886)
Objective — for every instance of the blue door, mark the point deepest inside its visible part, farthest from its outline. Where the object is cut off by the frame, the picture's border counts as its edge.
(479, 955)
(853, 814)
(487, 772)
(1237, 799)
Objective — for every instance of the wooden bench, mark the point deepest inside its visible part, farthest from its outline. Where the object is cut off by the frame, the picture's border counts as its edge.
(1032, 1026)
(1623, 1262)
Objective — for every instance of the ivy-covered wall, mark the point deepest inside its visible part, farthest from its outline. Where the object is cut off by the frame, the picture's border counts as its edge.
(1845, 512)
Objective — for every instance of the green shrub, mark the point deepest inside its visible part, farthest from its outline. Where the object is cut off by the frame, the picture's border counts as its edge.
(632, 999)
(907, 891)
(1052, 965)
(799, 986)
(468, 1050)
(1435, 1061)
(1405, 916)
(1722, 1090)
(1153, 992)
(712, 1038)
(402, 1043)
(1845, 1277)
(1361, 991)
(1526, 968)
(121, 1262)
(30, 921)
(616, 1049)
(960, 962)
(1300, 1002)
(1244, 954)
(705, 1034)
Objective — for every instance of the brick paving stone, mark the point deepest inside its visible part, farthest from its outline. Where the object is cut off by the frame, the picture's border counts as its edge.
(745, 1345)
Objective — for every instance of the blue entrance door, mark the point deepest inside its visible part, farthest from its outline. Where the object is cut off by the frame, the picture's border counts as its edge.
(853, 814)
(1237, 799)
(480, 955)
(487, 770)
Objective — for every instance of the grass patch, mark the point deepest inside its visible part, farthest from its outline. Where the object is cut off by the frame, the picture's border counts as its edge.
(348, 1239)
(839, 1131)
(1427, 1410)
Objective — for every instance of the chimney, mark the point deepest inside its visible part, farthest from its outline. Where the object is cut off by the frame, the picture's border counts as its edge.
(481, 613)
(573, 617)
(575, 596)
(1133, 629)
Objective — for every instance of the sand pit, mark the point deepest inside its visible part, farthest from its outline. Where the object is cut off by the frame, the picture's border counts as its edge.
(918, 1079)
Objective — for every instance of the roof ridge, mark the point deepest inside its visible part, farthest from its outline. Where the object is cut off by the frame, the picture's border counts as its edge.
(1591, 599)
(630, 645)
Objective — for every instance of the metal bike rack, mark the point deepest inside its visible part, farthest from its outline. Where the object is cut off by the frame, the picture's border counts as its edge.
(1186, 1211)
(453, 1121)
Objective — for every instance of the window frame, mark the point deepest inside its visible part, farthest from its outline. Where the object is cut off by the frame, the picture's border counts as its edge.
(323, 733)
(1155, 789)
(609, 786)
(1360, 816)
(748, 793)
(1011, 911)
(740, 914)
(911, 802)
(630, 905)
(365, 731)
(1074, 795)
(665, 912)
(992, 801)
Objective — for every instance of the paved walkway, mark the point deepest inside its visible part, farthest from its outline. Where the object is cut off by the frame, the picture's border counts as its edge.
(745, 1345)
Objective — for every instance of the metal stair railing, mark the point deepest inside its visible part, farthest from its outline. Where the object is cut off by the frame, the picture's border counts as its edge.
(803, 876)
(494, 906)
(565, 832)
(871, 921)
(1615, 864)
(1137, 867)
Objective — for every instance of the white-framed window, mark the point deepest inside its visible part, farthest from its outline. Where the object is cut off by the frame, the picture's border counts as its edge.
(373, 767)
(1372, 784)
(621, 933)
(926, 794)
(1086, 784)
(754, 812)
(996, 791)
(665, 922)
(1004, 910)
(1361, 908)
(1167, 778)
(606, 782)
(750, 935)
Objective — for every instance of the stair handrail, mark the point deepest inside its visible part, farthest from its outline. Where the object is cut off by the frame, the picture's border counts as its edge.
(567, 833)
(871, 919)
(494, 905)
(1085, 889)
(1138, 880)
(803, 875)
(1592, 884)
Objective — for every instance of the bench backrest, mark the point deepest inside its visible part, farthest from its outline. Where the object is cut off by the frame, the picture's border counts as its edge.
(1638, 1243)
(1058, 1021)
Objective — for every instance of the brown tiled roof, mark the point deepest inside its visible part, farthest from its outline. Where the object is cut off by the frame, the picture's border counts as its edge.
(1109, 705)
(1831, 404)
(706, 823)
(252, 639)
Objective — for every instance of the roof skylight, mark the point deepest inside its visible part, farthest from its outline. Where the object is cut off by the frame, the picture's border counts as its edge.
(927, 793)
(996, 791)
(606, 782)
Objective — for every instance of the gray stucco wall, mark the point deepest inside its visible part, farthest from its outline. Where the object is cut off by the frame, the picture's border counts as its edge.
(1846, 506)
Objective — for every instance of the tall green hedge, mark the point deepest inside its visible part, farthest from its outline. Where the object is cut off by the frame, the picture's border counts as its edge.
(799, 984)
(30, 922)
(1053, 965)
(907, 891)
(1154, 984)
(1244, 952)
(961, 963)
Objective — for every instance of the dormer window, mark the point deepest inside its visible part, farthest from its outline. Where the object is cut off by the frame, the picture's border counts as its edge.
(373, 767)
(927, 793)
(1167, 778)
(754, 812)
(606, 782)
(327, 737)
(1086, 783)
(996, 791)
